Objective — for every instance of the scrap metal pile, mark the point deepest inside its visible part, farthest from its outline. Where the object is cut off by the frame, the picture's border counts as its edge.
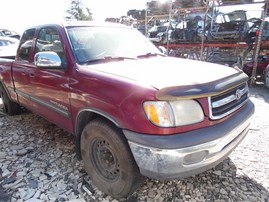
(193, 21)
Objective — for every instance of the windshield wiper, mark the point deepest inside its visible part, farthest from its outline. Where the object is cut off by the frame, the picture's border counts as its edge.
(109, 59)
(147, 55)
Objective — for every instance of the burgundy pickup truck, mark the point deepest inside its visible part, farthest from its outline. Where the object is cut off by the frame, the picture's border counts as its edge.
(134, 111)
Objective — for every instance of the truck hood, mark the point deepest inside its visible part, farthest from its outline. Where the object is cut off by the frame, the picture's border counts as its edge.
(175, 76)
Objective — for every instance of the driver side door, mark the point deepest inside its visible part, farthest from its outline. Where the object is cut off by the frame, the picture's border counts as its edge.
(50, 86)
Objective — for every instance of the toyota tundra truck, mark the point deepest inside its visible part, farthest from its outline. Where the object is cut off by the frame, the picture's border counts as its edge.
(134, 111)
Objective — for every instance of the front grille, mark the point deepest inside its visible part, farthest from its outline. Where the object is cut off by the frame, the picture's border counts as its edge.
(225, 103)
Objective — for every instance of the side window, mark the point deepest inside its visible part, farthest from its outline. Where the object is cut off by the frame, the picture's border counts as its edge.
(49, 40)
(26, 44)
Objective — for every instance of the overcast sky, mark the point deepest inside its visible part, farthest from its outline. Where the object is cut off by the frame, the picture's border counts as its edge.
(20, 14)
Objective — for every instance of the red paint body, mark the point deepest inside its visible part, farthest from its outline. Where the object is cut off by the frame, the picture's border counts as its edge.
(108, 94)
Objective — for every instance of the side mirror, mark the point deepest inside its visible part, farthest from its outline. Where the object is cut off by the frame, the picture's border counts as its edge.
(47, 59)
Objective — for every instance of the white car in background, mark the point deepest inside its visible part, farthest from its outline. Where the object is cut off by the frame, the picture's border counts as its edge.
(9, 33)
(8, 47)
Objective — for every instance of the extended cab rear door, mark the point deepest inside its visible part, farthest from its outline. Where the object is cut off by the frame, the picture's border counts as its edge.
(22, 67)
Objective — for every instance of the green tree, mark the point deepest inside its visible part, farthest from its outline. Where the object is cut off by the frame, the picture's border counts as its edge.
(78, 11)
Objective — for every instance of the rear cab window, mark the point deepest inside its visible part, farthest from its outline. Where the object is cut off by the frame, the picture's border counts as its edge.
(26, 45)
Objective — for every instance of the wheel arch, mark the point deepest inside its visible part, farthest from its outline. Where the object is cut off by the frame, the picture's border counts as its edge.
(6, 90)
(10, 107)
(4, 87)
(86, 115)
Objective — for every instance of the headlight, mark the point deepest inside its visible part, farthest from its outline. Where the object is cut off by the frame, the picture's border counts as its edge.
(173, 113)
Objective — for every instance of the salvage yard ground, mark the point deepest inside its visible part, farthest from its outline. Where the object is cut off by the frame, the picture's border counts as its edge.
(38, 163)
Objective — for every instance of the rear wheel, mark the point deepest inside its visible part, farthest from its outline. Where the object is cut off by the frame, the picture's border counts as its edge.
(7, 106)
(108, 159)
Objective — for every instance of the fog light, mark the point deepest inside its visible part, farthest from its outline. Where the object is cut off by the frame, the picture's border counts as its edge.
(195, 157)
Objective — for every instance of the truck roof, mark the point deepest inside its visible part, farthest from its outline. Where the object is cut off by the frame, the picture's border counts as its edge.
(74, 23)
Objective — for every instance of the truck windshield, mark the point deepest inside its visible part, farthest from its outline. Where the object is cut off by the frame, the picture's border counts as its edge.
(95, 43)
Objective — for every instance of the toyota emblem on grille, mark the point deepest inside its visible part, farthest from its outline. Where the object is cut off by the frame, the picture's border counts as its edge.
(238, 94)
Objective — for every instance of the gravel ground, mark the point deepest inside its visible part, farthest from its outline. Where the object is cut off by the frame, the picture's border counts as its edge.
(38, 163)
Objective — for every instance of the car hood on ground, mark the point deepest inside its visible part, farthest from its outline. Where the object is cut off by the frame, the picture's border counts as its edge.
(168, 74)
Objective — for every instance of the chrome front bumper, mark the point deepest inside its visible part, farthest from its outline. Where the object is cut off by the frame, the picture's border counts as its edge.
(172, 163)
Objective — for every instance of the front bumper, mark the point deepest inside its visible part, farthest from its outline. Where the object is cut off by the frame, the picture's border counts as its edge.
(186, 154)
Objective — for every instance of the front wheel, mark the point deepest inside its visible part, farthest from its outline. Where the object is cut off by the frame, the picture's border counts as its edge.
(108, 160)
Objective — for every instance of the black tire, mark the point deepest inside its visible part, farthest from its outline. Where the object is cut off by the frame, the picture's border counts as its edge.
(108, 160)
(8, 107)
